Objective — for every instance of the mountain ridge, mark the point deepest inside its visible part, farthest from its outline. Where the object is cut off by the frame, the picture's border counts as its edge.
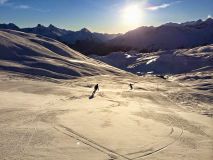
(168, 36)
(145, 38)
(55, 31)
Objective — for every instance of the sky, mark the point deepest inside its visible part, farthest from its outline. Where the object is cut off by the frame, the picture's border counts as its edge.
(105, 16)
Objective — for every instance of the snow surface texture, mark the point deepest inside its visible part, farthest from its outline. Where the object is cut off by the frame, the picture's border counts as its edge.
(49, 115)
(46, 120)
(163, 62)
(41, 56)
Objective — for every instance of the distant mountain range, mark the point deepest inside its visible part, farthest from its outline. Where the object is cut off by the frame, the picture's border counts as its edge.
(145, 39)
(64, 35)
(168, 36)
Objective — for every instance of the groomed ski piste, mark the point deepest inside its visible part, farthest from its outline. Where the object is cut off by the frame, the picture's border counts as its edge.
(49, 115)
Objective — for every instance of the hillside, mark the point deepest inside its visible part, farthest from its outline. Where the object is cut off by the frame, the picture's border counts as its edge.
(47, 110)
(41, 56)
(158, 119)
(163, 62)
(168, 36)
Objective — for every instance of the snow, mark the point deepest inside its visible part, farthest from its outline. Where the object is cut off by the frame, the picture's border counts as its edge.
(128, 55)
(163, 62)
(57, 120)
(35, 55)
(46, 109)
(151, 60)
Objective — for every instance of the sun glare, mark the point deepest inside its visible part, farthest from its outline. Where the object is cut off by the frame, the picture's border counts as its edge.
(132, 15)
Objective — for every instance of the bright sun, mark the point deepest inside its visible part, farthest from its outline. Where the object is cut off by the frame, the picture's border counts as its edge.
(132, 15)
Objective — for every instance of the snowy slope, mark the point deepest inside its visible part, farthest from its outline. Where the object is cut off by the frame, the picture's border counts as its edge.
(163, 62)
(157, 120)
(36, 55)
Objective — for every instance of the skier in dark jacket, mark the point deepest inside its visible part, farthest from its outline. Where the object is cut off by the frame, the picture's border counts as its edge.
(96, 87)
(131, 86)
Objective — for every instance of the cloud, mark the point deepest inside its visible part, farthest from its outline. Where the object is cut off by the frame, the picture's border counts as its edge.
(164, 5)
(22, 6)
(8, 3)
(42, 10)
(3, 2)
(153, 8)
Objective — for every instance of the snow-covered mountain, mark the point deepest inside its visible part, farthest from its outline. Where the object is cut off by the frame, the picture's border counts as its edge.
(9, 26)
(146, 39)
(168, 36)
(67, 36)
(84, 41)
(163, 62)
(50, 31)
(41, 56)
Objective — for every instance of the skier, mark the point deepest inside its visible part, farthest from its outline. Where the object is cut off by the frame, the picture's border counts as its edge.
(131, 86)
(96, 87)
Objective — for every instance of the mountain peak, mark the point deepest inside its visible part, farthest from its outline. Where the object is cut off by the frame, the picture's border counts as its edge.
(171, 24)
(51, 26)
(84, 30)
(9, 26)
(40, 26)
(210, 20)
(12, 24)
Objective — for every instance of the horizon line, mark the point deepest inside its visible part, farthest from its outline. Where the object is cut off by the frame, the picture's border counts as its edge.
(90, 30)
